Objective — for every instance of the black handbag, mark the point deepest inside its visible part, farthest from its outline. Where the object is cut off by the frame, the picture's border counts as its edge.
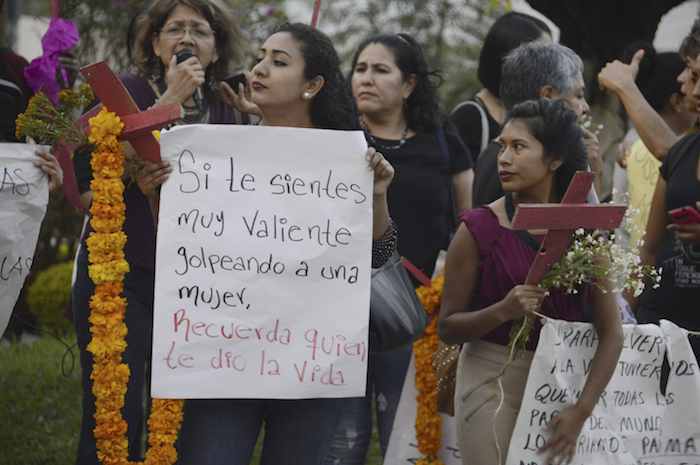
(396, 316)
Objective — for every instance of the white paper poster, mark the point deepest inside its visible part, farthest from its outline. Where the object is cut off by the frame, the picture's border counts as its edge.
(403, 448)
(635, 422)
(263, 264)
(24, 193)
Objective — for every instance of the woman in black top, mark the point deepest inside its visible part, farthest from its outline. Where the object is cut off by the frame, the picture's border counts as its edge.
(479, 119)
(674, 246)
(398, 106)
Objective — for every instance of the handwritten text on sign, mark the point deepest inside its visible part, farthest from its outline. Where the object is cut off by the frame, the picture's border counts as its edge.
(24, 193)
(263, 264)
(635, 422)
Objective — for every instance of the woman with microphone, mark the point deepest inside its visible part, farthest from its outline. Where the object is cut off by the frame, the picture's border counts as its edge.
(182, 49)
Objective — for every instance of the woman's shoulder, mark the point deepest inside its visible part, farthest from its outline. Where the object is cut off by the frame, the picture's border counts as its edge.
(687, 144)
(139, 88)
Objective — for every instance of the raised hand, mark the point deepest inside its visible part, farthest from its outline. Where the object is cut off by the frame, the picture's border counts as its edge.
(239, 100)
(182, 79)
(383, 171)
(616, 75)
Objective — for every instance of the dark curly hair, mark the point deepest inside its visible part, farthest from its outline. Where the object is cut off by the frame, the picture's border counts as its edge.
(555, 126)
(508, 32)
(229, 40)
(422, 110)
(690, 47)
(332, 107)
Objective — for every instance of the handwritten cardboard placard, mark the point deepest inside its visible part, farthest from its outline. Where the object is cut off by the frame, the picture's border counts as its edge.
(635, 422)
(403, 447)
(263, 264)
(24, 193)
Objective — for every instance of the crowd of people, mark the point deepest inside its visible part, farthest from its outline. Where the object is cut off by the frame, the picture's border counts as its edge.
(441, 182)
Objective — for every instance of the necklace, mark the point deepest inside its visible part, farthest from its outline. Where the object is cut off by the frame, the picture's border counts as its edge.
(376, 144)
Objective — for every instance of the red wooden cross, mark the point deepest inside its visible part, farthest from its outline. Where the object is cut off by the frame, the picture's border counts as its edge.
(137, 125)
(561, 220)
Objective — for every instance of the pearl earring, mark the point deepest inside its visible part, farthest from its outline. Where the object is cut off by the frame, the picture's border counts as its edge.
(307, 95)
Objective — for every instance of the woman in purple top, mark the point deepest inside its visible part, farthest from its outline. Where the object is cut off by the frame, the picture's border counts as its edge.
(206, 29)
(487, 263)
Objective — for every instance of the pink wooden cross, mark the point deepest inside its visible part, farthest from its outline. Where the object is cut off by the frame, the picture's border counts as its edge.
(561, 220)
(137, 125)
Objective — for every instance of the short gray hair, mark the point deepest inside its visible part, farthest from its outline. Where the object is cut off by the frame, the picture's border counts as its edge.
(531, 66)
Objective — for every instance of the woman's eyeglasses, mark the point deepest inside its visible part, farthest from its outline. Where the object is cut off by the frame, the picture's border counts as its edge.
(178, 31)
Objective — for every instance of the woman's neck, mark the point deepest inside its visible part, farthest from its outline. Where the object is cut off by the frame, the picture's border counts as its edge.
(493, 105)
(542, 193)
(290, 116)
(390, 126)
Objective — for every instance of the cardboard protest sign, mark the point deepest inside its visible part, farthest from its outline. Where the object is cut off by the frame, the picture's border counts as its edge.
(24, 193)
(635, 421)
(263, 264)
(403, 447)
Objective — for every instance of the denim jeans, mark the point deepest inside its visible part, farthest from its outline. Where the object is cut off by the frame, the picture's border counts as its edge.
(224, 431)
(138, 290)
(385, 378)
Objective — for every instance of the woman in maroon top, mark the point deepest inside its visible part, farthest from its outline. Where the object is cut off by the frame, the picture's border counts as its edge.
(487, 262)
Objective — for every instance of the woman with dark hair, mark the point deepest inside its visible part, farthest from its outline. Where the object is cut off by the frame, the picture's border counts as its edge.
(396, 96)
(484, 294)
(205, 30)
(479, 119)
(296, 82)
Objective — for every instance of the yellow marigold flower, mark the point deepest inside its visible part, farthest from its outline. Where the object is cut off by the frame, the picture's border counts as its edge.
(108, 190)
(107, 164)
(110, 271)
(107, 224)
(104, 126)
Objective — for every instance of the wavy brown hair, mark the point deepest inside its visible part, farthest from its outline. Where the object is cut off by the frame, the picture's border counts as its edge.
(229, 40)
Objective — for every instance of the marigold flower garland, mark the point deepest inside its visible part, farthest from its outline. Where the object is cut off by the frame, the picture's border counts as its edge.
(107, 268)
(428, 420)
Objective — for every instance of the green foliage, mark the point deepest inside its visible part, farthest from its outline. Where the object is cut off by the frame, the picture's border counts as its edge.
(39, 405)
(49, 295)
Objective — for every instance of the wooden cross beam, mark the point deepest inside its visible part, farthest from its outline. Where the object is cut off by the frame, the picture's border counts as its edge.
(137, 124)
(561, 220)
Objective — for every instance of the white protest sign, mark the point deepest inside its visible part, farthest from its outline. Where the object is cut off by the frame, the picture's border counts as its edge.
(403, 447)
(24, 193)
(263, 264)
(634, 422)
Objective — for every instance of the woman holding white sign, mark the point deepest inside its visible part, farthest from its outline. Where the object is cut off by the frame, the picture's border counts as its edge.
(297, 82)
(181, 49)
(487, 262)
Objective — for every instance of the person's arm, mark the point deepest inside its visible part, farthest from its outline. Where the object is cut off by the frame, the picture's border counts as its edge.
(462, 184)
(656, 224)
(619, 78)
(383, 175)
(567, 425)
(455, 323)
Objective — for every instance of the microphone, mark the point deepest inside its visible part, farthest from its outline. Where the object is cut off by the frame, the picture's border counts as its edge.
(184, 55)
